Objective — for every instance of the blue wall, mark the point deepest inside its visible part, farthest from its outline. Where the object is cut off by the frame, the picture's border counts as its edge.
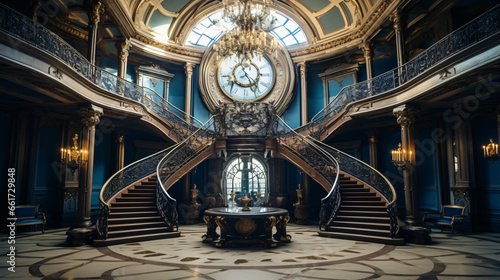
(487, 175)
(315, 93)
(199, 110)
(177, 91)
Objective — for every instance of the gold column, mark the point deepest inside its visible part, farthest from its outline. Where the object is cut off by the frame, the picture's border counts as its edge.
(90, 118)
(123, 57)
(373, 139)
(189, 84)
(303, 92)
(406, 118)
(397, 24)
(94, 18)
(120, 149)
(368, 53)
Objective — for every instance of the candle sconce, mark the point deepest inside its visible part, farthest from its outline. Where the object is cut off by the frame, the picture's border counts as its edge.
(491, 152)
(401, 157)
(73, 156)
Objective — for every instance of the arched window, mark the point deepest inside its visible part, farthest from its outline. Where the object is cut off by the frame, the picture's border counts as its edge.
(246, 175)
(206, 31)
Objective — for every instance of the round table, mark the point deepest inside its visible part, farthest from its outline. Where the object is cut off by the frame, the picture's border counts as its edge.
(251, 226)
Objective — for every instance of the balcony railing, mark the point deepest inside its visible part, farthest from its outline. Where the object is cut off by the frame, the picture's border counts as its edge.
(480, 28)
(30, 32)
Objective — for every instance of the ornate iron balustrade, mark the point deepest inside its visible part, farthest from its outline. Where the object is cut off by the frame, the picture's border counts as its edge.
(120, 180)
(480, 28)
(32, 33)
(177, 158)
(368, 175)
(316, 157)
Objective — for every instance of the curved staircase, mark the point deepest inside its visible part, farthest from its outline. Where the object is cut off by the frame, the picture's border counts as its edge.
(134, 217)
(362, 215)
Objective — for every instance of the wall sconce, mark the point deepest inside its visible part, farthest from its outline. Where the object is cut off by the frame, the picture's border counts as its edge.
(491, 152)
(73, 156)
(400, 157)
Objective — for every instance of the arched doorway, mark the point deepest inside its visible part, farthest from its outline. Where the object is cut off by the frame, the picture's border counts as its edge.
(246, 174)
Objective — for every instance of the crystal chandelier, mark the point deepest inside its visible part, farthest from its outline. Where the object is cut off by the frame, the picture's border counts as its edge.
(247, 39)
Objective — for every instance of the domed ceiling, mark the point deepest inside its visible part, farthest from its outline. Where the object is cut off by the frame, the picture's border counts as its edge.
(180, 30)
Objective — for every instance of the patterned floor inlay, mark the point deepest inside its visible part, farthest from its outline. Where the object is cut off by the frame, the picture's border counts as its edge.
(308, 256)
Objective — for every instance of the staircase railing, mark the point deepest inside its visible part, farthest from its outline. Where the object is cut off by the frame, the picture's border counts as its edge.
(478, 29)
(30, 32)
(316, 157)
(368, 175)
(120, 180)
(177, 158)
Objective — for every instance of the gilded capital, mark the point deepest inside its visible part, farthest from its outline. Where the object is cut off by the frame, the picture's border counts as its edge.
(90, 115)
(95, 12)
(123, 49)
(367, 49)
(396, 19)
(189, 68)
(405, 115)
(120, 135)
(302, 68)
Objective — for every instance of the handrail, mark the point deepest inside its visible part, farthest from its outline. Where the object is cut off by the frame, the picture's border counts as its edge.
(33, 33)
(370, 176)
(315, 158)
(176, 159)
(123, 178)
(467, 35)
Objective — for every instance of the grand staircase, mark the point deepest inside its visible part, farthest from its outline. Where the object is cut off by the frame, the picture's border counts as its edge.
(135, 217)
(362, 215)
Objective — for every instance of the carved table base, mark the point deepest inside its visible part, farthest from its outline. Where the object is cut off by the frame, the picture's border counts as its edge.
(246, 227)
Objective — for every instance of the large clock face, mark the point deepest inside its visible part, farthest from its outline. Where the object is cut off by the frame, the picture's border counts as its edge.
(246, 80)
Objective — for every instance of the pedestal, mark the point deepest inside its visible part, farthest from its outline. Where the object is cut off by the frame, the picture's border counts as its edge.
(416, 234)
(302, 214)
(80, 236)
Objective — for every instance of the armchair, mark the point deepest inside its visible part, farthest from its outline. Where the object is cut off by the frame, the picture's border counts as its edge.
(450, 216)
(28, 215)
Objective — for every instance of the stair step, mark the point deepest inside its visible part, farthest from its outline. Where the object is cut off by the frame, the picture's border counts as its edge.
(153, 191)
(358, 224)
(351, 189)
(136, 195)
(360, 198)
(127, 239)
(116, 227)
(349, 182)
(133, 214)
(363, 219)
(135, 199)
(139, 231)
(356, 230)
(382, 213)
(361, 237)
(139, 187)
(132, 204)
(365, 203)
(364, 207)
(133, 220)
(357, 193)
(133, 209)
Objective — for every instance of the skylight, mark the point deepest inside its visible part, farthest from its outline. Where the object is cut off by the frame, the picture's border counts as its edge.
(206, 32)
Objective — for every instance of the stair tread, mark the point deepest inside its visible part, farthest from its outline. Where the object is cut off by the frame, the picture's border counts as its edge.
(137, 224)
(361, 212)
(360, 223)
(133, 213)
(354, 236)
(362, 217)
(133, 218)
(360, 229)
(138, 230)
(371, 207)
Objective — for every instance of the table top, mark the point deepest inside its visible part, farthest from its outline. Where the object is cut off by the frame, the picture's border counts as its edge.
(238, 212)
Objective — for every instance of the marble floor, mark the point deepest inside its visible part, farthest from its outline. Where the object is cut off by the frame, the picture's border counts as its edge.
(308, 256)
